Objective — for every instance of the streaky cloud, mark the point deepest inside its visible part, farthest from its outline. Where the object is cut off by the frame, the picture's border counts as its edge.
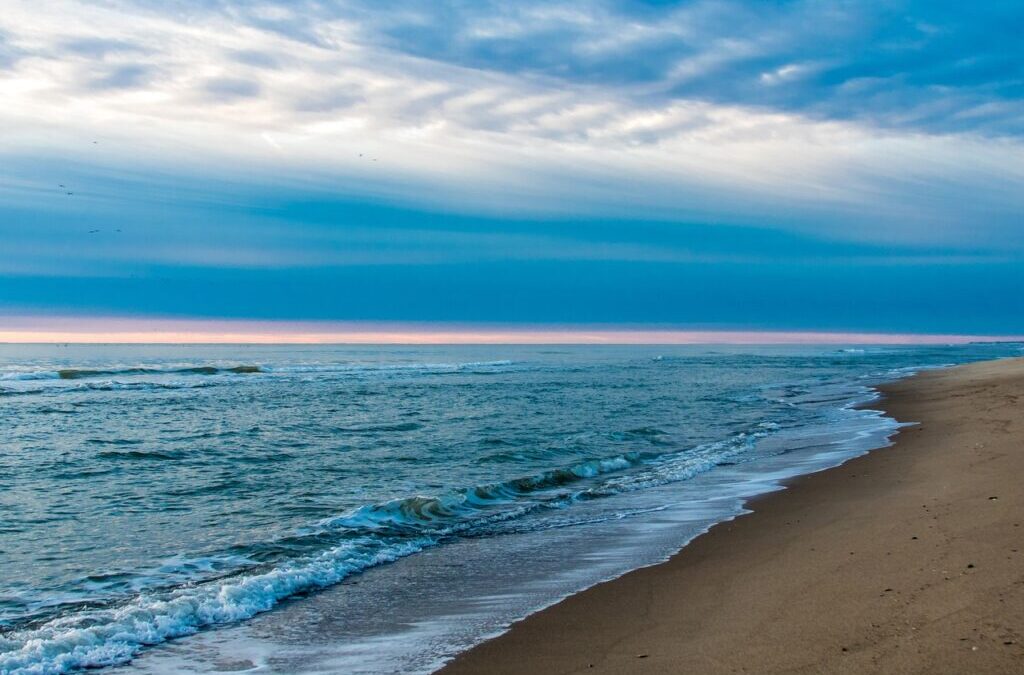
(589, 161)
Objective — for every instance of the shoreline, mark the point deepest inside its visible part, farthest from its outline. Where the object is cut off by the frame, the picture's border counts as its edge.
(895, 561)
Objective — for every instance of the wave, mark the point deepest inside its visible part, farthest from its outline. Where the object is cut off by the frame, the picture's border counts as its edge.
(138, 454)
(85, 373)
(386, 367)
(106, 637)
(379, 428)
(90, 373)
(21, 376)
(117, 385)
(82, 373)
(332, 550)
(450, 512)
(108, 385)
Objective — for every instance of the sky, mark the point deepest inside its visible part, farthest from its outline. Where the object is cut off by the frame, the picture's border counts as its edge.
(853, 167)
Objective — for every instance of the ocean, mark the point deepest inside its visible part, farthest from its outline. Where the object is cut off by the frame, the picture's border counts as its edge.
(379, 509)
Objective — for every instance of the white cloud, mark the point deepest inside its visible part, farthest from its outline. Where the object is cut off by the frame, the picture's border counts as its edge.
(337, 111)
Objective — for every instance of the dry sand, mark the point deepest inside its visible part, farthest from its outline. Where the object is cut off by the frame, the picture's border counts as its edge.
(907, 560)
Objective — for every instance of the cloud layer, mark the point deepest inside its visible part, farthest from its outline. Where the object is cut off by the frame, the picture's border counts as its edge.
(318, 135)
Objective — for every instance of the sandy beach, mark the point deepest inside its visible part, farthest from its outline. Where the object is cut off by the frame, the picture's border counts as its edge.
(905, 560)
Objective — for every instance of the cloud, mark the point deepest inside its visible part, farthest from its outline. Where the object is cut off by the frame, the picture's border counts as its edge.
(231, 88)
(98, 48)
(8, 54)
(123, 76)
(256, 58)
(328, 101)
(853, 121)
(930, 66)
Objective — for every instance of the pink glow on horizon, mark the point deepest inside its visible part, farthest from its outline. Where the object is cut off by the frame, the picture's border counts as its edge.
(196, 331)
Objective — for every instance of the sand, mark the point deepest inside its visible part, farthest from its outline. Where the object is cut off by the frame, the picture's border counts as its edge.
(907, 560)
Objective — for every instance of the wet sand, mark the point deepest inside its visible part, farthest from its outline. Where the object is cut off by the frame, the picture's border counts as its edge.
(906, 560)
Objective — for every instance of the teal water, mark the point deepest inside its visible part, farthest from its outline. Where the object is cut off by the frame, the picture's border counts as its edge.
(150, 493)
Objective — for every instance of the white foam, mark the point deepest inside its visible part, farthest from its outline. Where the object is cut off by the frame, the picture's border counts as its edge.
(111, 636)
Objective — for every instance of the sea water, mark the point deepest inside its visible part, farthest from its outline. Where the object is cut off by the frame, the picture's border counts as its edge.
(379, 509)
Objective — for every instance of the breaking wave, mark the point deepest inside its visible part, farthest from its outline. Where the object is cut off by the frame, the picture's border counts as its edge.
(266, 573)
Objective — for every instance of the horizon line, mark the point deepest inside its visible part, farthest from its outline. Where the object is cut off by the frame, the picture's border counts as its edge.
(120, 330)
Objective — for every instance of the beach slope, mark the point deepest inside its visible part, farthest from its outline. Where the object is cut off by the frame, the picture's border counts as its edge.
(906, 560)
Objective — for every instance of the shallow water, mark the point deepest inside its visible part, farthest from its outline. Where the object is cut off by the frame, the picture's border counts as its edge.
(377, 509)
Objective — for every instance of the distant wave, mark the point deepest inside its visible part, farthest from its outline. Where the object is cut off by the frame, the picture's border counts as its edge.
(380, 428)
(84, 373)
(89, 373)
(384, 367)
(109, 385)
(81, 373)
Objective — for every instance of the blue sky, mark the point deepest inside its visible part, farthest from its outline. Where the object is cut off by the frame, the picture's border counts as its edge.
(760, 165)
